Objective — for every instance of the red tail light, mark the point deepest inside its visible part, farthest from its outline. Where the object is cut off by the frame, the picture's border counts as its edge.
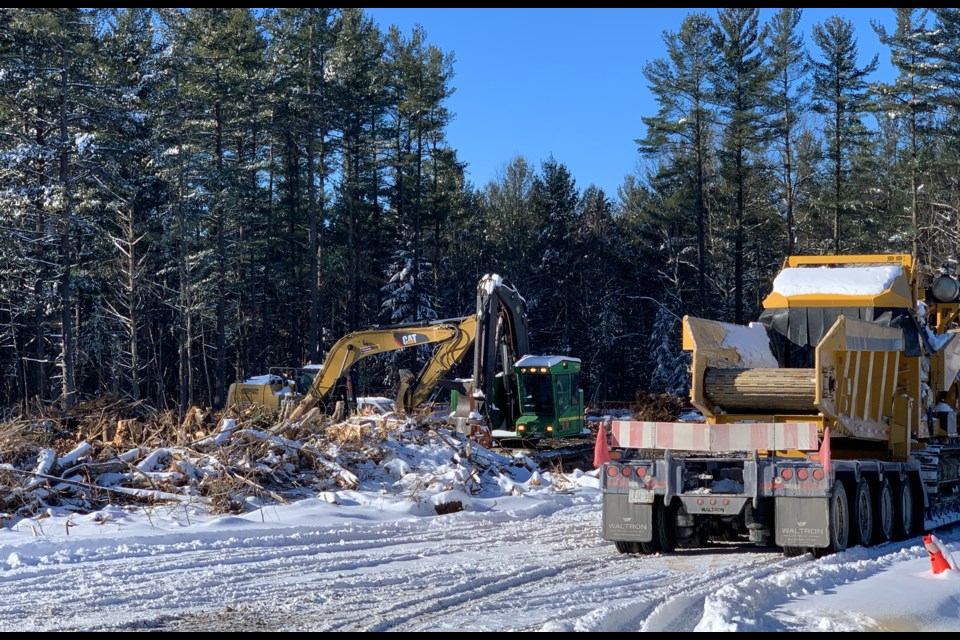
(641, 472)
(624, 471)
(818, 474)
(786, 474)
(611, 472)
(802, 474)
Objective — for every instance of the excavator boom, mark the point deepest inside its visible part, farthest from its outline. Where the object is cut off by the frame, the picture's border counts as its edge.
(414, 390)
(358, 345)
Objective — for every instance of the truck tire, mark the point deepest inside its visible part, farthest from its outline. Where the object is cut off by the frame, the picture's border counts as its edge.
(838, 522)
(626, 546)
(688, 531)
(883, 512)
(862, 512)
(793, 552)
(664, 540)
(903, 509)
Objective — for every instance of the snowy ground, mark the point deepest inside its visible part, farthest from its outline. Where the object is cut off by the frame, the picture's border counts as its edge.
(524, 555)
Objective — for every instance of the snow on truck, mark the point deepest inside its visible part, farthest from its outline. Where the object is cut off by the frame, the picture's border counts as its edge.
(831, 422)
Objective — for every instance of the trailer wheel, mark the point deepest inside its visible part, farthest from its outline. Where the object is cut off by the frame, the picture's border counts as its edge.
(793, 552)
(883, 510)
(625, 546)
(692, 533)
(903, 510)
(664, 539)
(862, 514)
(839, 521)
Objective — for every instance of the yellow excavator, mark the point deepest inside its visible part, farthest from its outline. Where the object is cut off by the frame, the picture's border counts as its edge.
(453, 337)
(511, 393)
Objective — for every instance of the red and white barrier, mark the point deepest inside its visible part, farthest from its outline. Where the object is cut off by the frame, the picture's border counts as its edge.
(697, 436)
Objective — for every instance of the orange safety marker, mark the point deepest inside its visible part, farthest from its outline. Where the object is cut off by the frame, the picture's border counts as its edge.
(938, 563)
(601, 453)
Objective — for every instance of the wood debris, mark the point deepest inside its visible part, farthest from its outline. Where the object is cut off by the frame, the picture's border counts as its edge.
(124, 452)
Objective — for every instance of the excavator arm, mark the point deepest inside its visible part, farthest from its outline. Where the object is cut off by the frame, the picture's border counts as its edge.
(358, 345)
(497, 334)
(414, 390)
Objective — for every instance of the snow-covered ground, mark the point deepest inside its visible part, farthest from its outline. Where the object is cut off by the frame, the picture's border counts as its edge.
(525, 554)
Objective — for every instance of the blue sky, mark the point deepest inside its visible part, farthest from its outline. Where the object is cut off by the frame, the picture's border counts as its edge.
(566, 82)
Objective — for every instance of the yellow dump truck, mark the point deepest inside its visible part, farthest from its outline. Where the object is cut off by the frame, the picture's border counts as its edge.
(830, 422)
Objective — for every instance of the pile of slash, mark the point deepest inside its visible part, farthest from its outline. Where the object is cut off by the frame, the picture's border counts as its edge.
(116, 451)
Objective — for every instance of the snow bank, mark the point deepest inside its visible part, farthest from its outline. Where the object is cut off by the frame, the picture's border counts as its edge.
(752, 344)
(848, 281)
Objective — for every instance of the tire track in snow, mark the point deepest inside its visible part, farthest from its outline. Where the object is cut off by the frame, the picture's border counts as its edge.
(681, 608)
(749, 604)
(471, 571)
(650, 581)
(419, 612)
(184, 573)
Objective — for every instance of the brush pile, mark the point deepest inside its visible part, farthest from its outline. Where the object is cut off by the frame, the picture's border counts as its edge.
(121, 452)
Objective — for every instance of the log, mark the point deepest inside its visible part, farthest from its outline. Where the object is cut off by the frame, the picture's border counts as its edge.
(128, 431)
(761, 390)
(45, 462)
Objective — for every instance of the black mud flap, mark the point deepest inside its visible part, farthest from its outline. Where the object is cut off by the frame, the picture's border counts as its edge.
(802, 522)
(625, 521)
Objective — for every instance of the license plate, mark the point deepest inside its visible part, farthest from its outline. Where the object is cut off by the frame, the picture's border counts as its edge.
(640, 496)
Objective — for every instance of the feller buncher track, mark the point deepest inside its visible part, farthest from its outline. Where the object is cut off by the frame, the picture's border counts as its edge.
(830, 422)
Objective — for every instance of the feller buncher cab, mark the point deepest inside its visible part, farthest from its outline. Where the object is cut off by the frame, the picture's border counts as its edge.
(551, 400)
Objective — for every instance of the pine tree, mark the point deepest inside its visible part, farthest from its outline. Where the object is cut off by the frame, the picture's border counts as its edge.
(302, 41)
(418, 87)
(554, 200)
(222, 53)
(943, 39)
(511, 225)
(404, 301)
(356, 64)
(682, 86)
(910, 98)
(600, 267)
(788, 91)
(742, 85)
(840, 94)
(124, 154)
(45, 97)
(670, 363)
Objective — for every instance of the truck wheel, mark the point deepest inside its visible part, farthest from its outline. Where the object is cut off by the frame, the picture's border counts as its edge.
(883, 511)
(664, 539)
(688, 531)
(793, 552)
(839, 520)
(862, 514)
(903, 510)
(692, 538)
(624, 546)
